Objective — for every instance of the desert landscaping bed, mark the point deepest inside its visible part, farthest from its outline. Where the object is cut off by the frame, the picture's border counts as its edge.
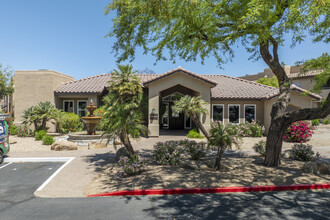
(242, 171)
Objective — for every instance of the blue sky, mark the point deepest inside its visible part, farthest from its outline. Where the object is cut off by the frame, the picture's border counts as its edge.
(68, 36)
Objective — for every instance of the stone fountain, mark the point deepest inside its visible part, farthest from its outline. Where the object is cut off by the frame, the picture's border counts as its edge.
(91, 121)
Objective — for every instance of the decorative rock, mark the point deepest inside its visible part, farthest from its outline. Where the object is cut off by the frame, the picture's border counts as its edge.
(97, 145)
(64, 146)
(287, 154)
(189, 164)
(316, 167)
(121, 152)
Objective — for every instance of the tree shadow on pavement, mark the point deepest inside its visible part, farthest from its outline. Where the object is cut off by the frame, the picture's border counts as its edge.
(268, 205)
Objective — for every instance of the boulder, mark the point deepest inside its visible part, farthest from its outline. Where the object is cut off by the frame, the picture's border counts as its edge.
(64, 146)
(121, 152)
(97, 145)
(287, 154)
(189, 164)
(318, 167)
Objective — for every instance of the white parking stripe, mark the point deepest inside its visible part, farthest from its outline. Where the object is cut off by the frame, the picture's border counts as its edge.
(6, 165)
(54, 174)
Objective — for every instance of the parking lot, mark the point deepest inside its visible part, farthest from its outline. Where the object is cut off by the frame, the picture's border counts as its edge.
(18, 182)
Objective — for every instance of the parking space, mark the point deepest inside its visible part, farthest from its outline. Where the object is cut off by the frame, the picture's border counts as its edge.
(18, 181)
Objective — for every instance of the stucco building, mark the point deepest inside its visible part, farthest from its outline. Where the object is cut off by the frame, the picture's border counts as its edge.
(228, 99)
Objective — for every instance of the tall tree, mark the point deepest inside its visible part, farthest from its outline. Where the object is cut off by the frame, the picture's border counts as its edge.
(190, 29)
(6, 81)
(121, 117)
(194, 107)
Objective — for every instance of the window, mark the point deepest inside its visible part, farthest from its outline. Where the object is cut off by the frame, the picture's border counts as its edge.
(250, 113)
(82, 111)
(217, 113)
(173, 97)
(298, 84)
(233, 112)
(165, 117)
(68, 106)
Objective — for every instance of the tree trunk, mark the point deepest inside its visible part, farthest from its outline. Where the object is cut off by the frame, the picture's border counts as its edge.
(43, 125)
(200, 126)
(274, 143)
(125, 140)
(218, 158)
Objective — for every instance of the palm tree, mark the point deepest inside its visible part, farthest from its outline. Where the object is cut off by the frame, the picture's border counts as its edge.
(44, 111)
(29, 117)
(122, 117)
(194, 107)
(222, 137)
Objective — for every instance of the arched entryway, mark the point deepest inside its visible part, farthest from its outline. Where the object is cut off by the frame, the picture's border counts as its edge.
(170, 119)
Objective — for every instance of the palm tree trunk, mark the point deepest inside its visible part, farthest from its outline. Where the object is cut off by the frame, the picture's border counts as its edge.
(218, 158)
(200, 126)
(43, 125)
(127, 143)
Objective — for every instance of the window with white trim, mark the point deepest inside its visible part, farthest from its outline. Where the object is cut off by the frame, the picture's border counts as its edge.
(233, 114)
(82, 111)
(250, 113)
(217, 113)
(68, 106)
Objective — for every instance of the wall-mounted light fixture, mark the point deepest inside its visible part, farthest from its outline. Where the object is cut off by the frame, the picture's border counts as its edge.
(153, 111)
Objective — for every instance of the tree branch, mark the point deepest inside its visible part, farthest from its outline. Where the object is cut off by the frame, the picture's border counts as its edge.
(275, 48)
(222, 25)
(309, 113)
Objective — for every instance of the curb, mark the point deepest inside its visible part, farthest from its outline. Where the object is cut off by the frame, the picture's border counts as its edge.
(232, 189)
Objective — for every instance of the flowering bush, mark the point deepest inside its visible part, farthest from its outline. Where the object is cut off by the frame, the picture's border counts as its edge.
(23, 131)
(194, 149)
(304, 152)
(168, 153)
(299, 131)
(131, 166)
(260, 148)
(253, 129)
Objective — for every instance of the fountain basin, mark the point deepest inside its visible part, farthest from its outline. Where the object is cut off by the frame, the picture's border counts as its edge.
(91, 123)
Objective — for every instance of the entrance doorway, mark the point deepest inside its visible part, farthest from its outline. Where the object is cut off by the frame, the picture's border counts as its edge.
(174, 120)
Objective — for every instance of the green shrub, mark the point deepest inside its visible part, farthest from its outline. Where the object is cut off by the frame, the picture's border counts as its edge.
(168, 153)
(69, 122)
(39, 135)
(253, 129)
(304, 152)
(131, 166)
(47, 140)
(194, 149)
(193, 133)
(326, 121)
(316, 122)
(260, 148)
(13, 130)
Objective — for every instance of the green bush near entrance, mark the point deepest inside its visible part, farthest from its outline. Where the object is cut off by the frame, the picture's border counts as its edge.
(47, 140)
(193, 133)
(39, 135)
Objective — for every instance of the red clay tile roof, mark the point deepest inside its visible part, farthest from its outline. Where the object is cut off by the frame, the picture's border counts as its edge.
(92, 85)
(180, 69)
(225, 87)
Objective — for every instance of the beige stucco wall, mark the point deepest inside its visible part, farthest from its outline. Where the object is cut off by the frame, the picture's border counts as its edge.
(178, 78)
(32, 87)
(305, 83)
(259, 109)
(298, 100)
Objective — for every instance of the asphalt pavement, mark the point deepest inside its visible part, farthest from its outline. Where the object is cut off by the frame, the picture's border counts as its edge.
(19, 181)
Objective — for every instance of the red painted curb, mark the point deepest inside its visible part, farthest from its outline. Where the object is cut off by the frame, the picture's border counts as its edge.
(231, 189)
